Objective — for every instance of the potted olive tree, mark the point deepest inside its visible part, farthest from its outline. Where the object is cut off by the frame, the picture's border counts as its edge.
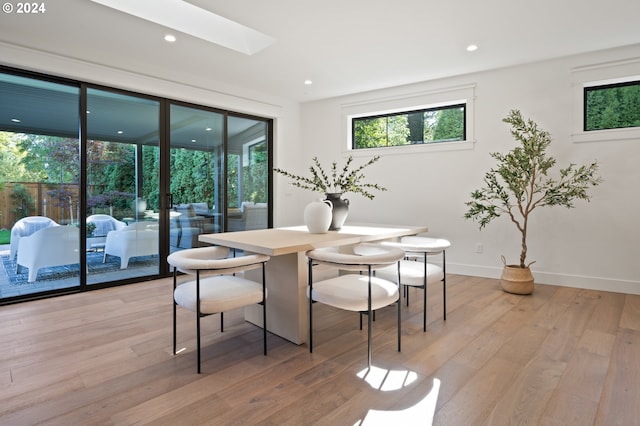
(519, 184)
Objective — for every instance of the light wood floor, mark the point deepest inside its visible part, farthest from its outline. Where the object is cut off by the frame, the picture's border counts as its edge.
(562, 356)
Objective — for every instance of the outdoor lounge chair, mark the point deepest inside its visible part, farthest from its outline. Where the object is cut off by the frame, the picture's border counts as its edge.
(53, 246)
(25, 227)
(136, 239)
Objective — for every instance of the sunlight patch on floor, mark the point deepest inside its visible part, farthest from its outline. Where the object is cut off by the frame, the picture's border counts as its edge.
(387, 380)
(421, 413)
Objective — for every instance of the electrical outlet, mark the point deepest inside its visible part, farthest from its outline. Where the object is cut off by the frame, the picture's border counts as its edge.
(479, 247)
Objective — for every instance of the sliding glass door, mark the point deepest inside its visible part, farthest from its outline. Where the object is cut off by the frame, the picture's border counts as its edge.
(122, 186)
(200, 141)
(247, 174)
(195, 166)
(39, 186)
(99, 185)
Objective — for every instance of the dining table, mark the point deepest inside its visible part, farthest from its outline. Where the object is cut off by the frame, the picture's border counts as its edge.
(286, 271)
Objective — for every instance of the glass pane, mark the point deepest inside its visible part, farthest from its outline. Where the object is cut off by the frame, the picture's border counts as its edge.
(197, 143)
(612, 106)
(442, 124)
(247, 178)
(39, 187)
(122, 186)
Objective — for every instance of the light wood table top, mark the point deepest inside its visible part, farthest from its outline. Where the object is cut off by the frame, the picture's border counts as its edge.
(279, 241)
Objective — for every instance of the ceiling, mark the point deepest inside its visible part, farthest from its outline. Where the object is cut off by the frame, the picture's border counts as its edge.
(34, 106)
(343, 46)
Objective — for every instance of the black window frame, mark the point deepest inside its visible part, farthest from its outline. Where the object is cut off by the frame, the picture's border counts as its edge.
(594, 88)
(452, 106)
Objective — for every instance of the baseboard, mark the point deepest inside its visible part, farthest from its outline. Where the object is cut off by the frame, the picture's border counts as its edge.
(565, 280)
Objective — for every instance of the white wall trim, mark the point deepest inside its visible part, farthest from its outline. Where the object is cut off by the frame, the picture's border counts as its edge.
(608, 135)
(406, 98)
(562, 280)
(605, 71)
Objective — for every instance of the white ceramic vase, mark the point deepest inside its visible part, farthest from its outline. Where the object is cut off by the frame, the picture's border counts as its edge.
(317, 216)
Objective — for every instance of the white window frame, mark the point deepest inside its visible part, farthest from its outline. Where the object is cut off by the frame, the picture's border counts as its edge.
(411, 102)
(599, 75)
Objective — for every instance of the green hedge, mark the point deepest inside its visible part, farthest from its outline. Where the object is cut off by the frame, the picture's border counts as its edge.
(5, 236)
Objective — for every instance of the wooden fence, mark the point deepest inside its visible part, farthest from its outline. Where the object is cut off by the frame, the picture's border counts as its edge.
(44, 203)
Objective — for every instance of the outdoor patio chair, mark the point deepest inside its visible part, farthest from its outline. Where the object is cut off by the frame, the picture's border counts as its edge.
(104, 223)
(136, 239)
(52, 246)
(25, 227)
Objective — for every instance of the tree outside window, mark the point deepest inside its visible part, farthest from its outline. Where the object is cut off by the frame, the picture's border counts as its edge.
(431, 125)
(612, 106)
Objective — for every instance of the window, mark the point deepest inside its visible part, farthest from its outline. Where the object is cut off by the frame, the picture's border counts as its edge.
(598, 115)
(612, 106)
(421, 126)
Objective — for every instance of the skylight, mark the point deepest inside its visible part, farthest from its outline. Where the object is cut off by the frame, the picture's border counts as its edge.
(190, 19)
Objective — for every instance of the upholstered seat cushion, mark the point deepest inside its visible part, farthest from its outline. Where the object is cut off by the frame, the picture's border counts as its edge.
(350, 292)
(412, 273)
(213, 260)
(221, 293)
(428, 244)
(363, 256)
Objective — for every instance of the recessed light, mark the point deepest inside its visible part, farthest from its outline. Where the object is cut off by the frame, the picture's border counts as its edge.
(308, 82)
(472, 47)
(208, 129)
(170, 38)
(16, 120)
(193, 141)
(120, 132)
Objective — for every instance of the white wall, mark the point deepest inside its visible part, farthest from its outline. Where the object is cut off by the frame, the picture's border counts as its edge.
(594, 245)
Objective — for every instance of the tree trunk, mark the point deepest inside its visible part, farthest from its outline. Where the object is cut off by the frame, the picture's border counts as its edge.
(523, 253)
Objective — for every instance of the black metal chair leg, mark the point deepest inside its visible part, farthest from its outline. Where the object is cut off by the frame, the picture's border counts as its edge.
(198, 316)
(399, 312)
(369, 323)
(174, 311)
(424, 295)
(406, 294)
(264, 309)
(444, 285)
(424, 309)
(370, 319)
(310, 306)
(399, 327)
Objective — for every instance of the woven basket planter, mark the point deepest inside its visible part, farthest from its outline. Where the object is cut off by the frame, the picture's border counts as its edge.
(516, 280)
